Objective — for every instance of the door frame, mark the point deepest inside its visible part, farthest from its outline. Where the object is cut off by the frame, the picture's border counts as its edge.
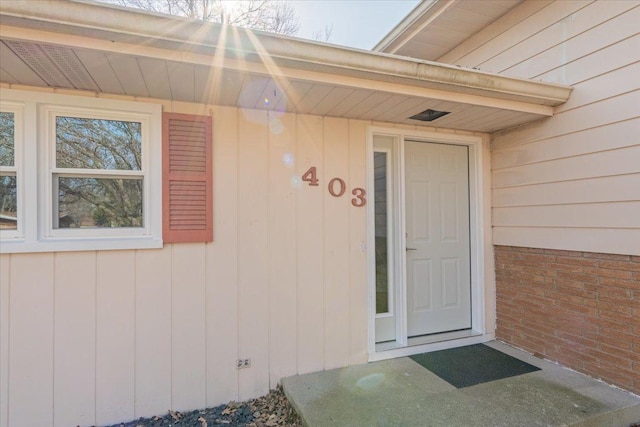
(478, 202)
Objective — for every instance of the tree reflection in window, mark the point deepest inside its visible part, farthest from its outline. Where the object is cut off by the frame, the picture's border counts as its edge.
(99, 202)
(8, 185)
(8, 203)
(89, 201)
(98, 144)
(7, 135)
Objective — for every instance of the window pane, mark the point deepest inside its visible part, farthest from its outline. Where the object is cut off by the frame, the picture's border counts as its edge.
(7, 129)
(98, 144)
(380, 199)
(8, 203)
(99, 202)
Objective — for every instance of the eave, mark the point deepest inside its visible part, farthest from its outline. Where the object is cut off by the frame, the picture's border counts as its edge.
(284, 62)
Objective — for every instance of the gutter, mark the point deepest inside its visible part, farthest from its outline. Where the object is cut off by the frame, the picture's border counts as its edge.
(118, 24)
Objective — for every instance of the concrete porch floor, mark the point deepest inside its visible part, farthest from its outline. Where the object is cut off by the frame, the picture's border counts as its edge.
(399, 392)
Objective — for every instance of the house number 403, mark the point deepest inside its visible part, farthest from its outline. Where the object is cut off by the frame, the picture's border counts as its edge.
(336, 187)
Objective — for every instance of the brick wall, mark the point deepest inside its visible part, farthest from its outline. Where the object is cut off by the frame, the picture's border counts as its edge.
(580, 309)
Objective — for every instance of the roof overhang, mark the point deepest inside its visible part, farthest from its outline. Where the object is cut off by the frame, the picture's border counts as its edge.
(434, 27)
(232, 66)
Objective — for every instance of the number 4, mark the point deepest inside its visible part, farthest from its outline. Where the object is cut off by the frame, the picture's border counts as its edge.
(310, 177)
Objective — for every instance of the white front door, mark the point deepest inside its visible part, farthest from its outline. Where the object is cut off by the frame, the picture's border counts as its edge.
(438, 274)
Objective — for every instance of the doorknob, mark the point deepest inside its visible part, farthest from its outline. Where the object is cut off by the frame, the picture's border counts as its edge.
(412, 249)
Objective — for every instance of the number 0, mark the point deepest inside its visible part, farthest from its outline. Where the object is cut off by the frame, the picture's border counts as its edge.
(332, 187)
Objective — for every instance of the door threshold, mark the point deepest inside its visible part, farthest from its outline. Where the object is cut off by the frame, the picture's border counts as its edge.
(445, 336)
(427, 343)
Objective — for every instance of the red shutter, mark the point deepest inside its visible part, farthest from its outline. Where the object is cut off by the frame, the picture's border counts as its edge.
(187, 178)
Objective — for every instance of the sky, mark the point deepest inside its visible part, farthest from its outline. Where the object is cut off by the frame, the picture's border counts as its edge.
(355, 23)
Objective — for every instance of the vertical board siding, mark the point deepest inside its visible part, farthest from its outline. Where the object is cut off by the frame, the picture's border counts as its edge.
(31, 339)
(188, 376)
(282, 248)
(551, 174)
(253, 249)
(336, 242)
(222, 263)
(115, 336)
(358, 351)
(74, 339)
(4, 338)
(96, 338)
(153, 329)
(310, 250)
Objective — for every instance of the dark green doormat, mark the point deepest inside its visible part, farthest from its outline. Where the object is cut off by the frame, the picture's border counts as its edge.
(473, 364)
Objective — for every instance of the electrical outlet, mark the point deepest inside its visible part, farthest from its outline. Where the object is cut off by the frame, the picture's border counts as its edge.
(243, 363)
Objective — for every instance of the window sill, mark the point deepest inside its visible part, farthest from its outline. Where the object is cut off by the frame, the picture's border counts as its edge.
(10, 246)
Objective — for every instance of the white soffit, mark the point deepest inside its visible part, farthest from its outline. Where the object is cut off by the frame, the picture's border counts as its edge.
(434, 27)
(81, 45)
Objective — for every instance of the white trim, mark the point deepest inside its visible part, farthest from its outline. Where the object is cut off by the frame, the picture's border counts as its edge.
(477, 239)
(394, 268)
(17, 169)
(49, 114)
(426, 348)
(39, 148)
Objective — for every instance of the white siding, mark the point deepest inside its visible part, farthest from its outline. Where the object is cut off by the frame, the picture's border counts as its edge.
(222, 263)
(282, 218)
(101, 337)
(115, 336)
(253, 251)
(4, 339)
(31, 349)
(310, 248)
(152, 343)
(570, 181)
(75, 340)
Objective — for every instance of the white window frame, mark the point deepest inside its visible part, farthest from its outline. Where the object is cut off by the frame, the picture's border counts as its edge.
(17, 168)
(38, 169)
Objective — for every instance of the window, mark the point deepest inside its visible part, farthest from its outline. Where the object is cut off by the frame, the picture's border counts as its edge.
(93, 179)
(97, 173)
(10, 120)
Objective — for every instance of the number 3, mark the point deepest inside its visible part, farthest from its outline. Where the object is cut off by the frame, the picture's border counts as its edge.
(360, 199)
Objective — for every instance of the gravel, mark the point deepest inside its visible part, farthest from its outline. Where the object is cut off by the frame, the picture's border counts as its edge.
(266, 411)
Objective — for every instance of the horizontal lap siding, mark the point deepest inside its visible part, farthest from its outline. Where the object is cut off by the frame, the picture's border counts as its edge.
(566, 189)
(103, 337)
(570, 181)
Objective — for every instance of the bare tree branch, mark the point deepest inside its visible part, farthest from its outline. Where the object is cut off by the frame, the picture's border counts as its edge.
(274, 16)
(323, 35)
